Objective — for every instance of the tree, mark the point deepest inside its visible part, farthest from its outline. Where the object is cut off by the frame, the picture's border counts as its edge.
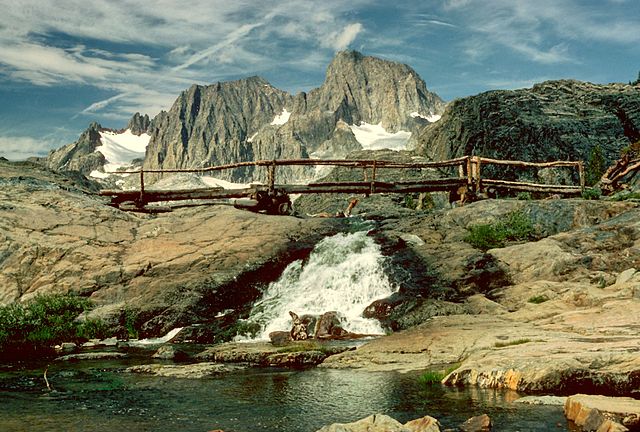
(596, 165)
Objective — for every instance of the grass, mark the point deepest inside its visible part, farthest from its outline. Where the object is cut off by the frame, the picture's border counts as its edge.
(432, 377)
(591, 194)
(538, 299)
(516, 226)
(44, 321)
(512, 343)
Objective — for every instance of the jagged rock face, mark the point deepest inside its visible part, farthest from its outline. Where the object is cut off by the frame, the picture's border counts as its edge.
(214, 125)
(361, 88)
(236, 121)
(139, 124)
(80, 155)
(554, 120)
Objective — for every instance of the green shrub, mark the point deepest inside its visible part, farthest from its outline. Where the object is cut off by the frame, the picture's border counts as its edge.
(44, 321)
(523, 196)
(538, 299)
(596, 165)
(516, 226)
(591, 194)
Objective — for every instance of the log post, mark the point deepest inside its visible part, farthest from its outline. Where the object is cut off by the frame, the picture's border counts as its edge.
(271, 178)
(461, 171)
(373, 177)
(469, 174)
(581, 174)
(478, 176)
(141, 185)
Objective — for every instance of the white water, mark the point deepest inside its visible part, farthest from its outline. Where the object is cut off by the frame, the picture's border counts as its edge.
(158, 340)
(344, 273)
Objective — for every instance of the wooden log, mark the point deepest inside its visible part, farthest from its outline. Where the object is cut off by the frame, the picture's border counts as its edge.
(531, 164)
(533, 187)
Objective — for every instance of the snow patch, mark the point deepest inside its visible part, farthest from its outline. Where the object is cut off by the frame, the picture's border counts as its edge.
(250, 139)
(430, 118)
(375, 137)
(281, 118)
(119, 150)
(194, 181)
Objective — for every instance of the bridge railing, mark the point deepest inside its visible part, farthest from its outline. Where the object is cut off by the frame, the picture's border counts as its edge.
(469, 176)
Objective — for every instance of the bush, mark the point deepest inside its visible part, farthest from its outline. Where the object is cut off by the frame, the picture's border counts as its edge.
(44, 321)
(596, 165)
(523, 196)
(538, 299)
(516, 227)
(591, 194)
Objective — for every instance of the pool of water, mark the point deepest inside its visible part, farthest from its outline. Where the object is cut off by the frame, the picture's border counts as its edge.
(98, 396)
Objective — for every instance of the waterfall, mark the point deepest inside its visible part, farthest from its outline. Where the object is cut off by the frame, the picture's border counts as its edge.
(344, 273)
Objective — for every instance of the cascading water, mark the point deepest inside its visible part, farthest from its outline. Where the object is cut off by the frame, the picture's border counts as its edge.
(344, 273)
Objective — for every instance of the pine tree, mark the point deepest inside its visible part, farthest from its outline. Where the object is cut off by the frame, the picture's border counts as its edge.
(596, 165)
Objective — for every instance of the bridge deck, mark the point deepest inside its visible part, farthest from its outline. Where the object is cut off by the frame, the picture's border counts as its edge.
(468, 167)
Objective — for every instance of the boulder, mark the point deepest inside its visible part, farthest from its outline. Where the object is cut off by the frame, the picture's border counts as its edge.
(190, 371)
(602, 413)
(170, 352)
(373, 423)
(481, 423)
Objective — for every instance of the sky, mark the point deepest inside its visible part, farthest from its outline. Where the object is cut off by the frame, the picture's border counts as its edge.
(67, 63)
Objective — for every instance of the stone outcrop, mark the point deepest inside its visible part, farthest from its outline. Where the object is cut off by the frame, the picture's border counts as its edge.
(384, 423)
(554, 120)
(603, 414)
(78, 156)
(154, 272)
(298, 354)
(190, 371)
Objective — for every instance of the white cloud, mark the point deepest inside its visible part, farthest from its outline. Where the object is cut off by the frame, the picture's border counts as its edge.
(542, 31)
(21, 147)
(341, 40)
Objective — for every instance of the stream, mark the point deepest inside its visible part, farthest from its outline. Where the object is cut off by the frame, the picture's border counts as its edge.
(98, 396)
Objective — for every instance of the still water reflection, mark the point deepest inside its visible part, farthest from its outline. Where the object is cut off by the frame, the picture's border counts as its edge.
(100, 397)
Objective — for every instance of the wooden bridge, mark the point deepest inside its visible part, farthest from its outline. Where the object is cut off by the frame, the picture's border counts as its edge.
(273, 198)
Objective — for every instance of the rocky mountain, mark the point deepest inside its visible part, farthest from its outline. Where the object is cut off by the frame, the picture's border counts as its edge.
(249, 119)
(554, 120)
(80, 155)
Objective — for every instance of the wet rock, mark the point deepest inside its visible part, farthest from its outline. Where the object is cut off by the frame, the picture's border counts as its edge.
(328, 327)
(298, 354)
(384, 423)
(542, 400)
(190, 371)
(170, 352)
(67, 347)
(374, 423)
(424, 424)
(91, 356)
(298, 330)
(480, 423)
(603, 413)
(280, 338)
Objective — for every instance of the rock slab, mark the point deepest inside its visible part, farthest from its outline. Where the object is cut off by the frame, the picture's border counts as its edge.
(602, 413)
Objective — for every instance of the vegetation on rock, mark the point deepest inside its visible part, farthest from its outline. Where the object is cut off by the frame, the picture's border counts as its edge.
(596, 165)
(516, 226)
(44, 321)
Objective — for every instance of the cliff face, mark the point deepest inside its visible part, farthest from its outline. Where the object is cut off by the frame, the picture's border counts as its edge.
(554, 120)
(80, 155)
(249, 119)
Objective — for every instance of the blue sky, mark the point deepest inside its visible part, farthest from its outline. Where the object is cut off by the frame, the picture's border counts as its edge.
(66, 63)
